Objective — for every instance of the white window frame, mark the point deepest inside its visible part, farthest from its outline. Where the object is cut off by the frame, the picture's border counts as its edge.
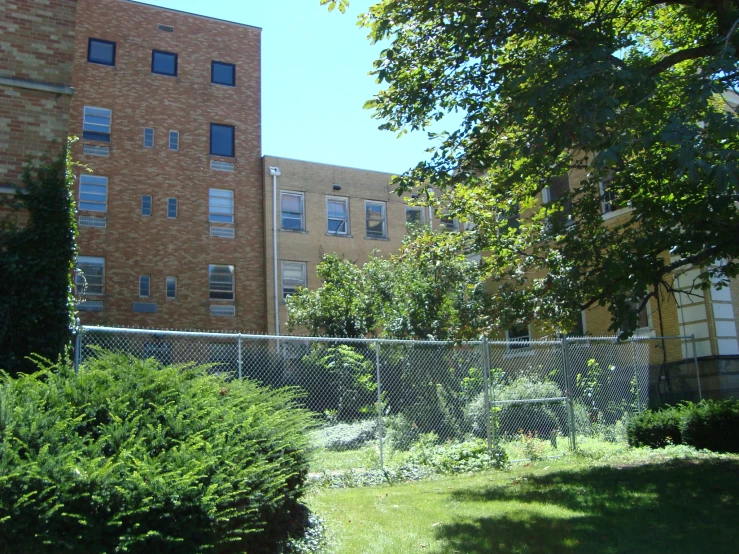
(82, 285)
(415, 209)
(151, 202)
(449, 224)
(525, 347)
(383, 211)
(170, 280)
(217, 288)
(226, 212)
(301, 197)
(93, 200)
(148, 137)
(98, 127)
(303, 267)
(144, 283)
(173, 202)
(174, 140)
(338, 199)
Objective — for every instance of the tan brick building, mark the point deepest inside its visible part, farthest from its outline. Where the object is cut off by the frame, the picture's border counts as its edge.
(36, 52)
(326, 209)
(167, 106)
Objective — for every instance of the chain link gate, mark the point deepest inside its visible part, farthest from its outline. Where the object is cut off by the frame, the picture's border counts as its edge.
(530, 398)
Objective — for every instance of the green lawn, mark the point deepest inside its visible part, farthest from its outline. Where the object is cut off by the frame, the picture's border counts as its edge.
(673, 501)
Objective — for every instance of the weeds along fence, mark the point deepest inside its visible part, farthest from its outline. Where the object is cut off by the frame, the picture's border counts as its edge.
(534, 398)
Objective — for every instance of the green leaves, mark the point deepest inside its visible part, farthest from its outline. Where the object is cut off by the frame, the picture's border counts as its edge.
(130, 456)
(632, 95)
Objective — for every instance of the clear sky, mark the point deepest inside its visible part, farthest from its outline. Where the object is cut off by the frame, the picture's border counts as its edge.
(315, 80)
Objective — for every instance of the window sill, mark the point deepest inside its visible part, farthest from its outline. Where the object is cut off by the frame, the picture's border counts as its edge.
(616, 213)
(299, 231)
(376, 238)
(339, 236)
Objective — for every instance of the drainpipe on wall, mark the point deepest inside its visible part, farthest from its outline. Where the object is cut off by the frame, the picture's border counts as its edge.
(275, 172)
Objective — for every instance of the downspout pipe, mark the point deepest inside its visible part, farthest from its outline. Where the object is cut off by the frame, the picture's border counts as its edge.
(275, 172)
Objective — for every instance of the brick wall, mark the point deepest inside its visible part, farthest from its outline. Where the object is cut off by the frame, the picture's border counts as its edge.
(36, 45)
(135, 245)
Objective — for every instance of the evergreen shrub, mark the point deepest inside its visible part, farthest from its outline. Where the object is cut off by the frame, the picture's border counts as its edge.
(709, 424)
(129, 456)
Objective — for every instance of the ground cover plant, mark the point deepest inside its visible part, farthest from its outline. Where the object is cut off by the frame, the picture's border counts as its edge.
(127, 456)
(675, 500)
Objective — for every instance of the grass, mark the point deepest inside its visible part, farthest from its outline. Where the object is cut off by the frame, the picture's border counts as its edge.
(636, 501)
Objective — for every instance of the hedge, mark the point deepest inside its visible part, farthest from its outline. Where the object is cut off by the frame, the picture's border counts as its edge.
(709, 424)
(127, 456)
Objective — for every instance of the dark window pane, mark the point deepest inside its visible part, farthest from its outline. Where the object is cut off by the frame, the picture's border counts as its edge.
(164, 63)
(223, 74)
(222, 140)
(101, 51)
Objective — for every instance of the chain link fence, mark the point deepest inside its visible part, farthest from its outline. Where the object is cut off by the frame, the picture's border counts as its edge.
(531, 398)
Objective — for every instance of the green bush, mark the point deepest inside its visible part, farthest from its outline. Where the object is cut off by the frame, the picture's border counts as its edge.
(538, 419)
(452, 457)
(713, 425)
(655, 429)
(127, 456)
(709, 424)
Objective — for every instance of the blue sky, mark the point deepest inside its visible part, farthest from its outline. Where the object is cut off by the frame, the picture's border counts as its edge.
(314, 83)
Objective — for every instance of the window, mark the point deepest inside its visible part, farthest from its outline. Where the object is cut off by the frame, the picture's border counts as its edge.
(449, 223)
(172, 208)
(222, 140)
(643, 318)
(374, 214)
(293, 276)
(414, 215)
(518, 336)
(223, 74)
(579, 329)
(174, 140)
(90, 275)
(221, 206)
(337, 210)
(559, 187)
(144, 285)
(93, 193)
(608, 199)
(96, 124)
(291, 211)
(101, 51)
(171, 287)
(221, 282)
(164, 63)
(146, 205)
(148, 137)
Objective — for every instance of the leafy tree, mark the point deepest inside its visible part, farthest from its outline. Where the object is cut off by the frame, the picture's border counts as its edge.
(627, 97)
(421, 292)
(37, 264)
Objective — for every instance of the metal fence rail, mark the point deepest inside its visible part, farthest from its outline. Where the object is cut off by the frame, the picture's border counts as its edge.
(535, 396)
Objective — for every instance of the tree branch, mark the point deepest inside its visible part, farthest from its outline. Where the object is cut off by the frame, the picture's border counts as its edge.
(681, 56)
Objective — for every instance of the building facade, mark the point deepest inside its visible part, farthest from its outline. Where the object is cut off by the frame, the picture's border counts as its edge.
(325, 209)
(167, 108)
(36, 57)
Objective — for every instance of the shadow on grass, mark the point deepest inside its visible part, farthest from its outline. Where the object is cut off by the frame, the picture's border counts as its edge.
(677, 508)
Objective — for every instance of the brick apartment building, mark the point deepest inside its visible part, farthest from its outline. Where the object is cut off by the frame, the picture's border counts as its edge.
(167, 106)
(36, 53)
(326, 209)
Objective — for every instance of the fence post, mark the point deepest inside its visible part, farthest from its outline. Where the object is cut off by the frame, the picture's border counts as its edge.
(77, 348)
(240, 362)
(636, 376)
(568, 392)
(379, 403)
(486, 384)
(697, 370)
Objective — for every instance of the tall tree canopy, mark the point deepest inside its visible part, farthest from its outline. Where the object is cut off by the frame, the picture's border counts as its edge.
(628, 96)
(420, 292)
